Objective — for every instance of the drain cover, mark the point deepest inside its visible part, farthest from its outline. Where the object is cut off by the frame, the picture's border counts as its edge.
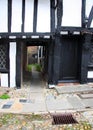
(66, 118)
(23, 100)
(6, 106)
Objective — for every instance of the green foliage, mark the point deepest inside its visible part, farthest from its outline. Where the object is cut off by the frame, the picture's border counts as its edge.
(36, 66)
(4, 96)
(29, 67)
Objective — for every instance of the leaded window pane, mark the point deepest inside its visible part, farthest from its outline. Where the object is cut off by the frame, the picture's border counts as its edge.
(3, 57)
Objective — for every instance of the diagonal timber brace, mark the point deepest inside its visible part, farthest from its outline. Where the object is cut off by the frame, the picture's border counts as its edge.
(90, 18)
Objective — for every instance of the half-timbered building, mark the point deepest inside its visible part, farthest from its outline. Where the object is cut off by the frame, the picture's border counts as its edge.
(63, 27)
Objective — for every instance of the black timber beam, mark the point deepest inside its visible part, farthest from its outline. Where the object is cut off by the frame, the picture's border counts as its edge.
(28, 40)
(18, 64)
(59, 13)
(72, 29)
(85, 57)
(9, 15)
(35, 15)
(52, 15)
(83, 13)
(90, 18)
(23, 15)
(24, 34)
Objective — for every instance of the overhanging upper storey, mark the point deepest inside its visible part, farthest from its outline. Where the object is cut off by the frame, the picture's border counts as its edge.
(74, 15)
(25, 17)
(44, 17)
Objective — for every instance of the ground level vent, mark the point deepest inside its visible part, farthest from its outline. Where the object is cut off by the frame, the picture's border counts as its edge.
(66, 118)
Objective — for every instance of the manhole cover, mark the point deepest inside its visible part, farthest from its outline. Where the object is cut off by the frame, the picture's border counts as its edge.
(66, 118)
(6, 106)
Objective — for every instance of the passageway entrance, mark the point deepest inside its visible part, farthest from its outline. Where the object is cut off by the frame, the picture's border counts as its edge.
(35, 63)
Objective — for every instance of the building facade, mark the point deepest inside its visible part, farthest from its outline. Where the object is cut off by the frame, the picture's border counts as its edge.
(65, 30)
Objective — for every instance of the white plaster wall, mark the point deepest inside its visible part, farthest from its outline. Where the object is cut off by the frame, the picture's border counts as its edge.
(16, 15)
(12, 56)
(29, 16)
(4, 80)
(90, 74)
(3, 16)
(43, 16)
(71, 13)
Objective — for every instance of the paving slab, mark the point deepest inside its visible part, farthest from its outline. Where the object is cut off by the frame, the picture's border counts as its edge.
(60, 104)
(88, 103)
(74, 89)
(75, 102)
(34, 107)
(86, 96)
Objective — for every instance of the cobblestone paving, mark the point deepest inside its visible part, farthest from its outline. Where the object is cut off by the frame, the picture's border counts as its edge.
(39, 122)
(44, 121)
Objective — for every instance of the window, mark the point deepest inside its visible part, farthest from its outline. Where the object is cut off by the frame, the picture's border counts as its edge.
(4, 51)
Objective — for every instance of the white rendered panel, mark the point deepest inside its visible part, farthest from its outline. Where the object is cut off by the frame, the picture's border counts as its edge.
(3, 16)
(16, 15)
(43, 16)
(29, 16)
(4, 80)
(91, 24)
(89, 4)
(12, 56)
(90, 74)
(71, 13)
(55, 18)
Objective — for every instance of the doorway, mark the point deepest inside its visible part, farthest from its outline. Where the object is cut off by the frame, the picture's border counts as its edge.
(70, 59)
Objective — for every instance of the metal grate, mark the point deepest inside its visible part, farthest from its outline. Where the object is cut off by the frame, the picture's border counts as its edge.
(23, 100)
(66, 118)
(6, 106)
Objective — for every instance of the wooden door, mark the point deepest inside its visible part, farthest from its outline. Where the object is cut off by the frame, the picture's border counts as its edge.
(69, 64)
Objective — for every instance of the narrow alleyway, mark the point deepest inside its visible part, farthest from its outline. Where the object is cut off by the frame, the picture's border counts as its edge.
(37, 83)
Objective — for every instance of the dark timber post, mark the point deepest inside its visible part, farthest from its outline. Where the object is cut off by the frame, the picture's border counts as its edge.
(35, 15)
(59, 13)
(52, 7)
(50, 61)
(57, 45)
(23, 15)
(85, 57)
(9, 15)
(18, 64)
(52, 42)
(83, 13)
(57, 51)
